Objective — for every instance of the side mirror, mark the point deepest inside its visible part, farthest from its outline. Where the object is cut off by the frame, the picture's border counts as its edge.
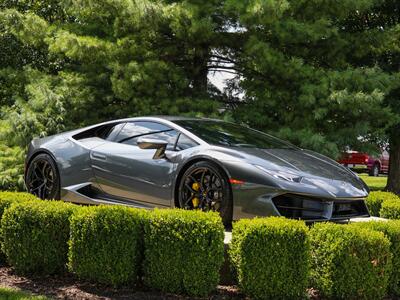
(159, 145)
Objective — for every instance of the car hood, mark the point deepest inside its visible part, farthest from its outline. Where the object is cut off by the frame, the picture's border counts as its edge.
(304, 162)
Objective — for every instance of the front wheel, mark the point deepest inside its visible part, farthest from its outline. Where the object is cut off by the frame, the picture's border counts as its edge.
(204, 187)
(42, 177)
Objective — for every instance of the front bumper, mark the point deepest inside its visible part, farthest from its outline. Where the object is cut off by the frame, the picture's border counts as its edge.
(264, 202)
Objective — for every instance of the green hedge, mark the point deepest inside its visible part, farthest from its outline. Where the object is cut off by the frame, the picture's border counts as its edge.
(349, 262)
(375, 199)
(6, 199)
(184, 251)
(35, 235)
(391, 229)
(271, 257)
(106, 244)
(391, 209)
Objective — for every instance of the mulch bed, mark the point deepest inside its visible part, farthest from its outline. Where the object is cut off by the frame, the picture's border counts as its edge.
(69, 287)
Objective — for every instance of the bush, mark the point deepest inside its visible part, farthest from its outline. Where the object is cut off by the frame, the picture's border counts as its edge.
(391, 208)
(391, 229)
(6, 199)
(349, 262)
(106, 243)
(271, 257)
(35, 235)
(184, 251)
(375, 199)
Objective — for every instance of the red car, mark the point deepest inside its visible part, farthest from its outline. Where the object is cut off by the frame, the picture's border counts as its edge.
(362, 162)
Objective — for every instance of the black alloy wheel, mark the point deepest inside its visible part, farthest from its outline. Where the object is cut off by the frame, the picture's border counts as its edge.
(42, 178)
(204, 187)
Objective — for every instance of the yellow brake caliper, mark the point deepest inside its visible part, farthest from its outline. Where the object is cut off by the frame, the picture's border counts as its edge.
(195, 200)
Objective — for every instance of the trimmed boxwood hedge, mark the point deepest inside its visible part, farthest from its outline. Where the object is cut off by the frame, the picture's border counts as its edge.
(349, 262)
(184, 251)
(106, 244)
(6, 199)
(35, 235)
(375, 199)
(271, 257)
(391, 229)
(391, 209)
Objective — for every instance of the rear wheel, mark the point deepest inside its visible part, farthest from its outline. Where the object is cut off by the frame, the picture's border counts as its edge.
(204, 187)
(375, 170)
(42, 178)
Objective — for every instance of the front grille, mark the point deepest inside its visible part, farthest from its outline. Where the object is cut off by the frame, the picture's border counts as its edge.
(308, 208)
(349, 209)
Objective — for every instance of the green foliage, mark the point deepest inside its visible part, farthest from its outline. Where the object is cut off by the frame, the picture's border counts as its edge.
(391, 229)
(375, 199)
(35, 236)
(271, 256)
(184, 251)
(106, 244)
(11, 168)
(391, 208)
(349, 262)
(11, 294)
(6, 200)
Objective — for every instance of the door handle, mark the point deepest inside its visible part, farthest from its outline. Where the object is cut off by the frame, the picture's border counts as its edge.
(99, 156)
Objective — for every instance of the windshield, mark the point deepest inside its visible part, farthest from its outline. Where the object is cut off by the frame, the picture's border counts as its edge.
(228, 134)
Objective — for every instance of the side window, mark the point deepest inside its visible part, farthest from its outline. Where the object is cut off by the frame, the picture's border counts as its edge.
(112, 134)
(132, 131)
(185, 142)
(168, 136)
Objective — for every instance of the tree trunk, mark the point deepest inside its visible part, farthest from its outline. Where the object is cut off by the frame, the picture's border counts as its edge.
(200, 62)
(393, 183)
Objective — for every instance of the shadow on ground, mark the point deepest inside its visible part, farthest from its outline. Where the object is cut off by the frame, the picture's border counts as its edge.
(69, 287)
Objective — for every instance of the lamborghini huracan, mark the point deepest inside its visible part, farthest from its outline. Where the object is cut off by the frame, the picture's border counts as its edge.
(192, 163)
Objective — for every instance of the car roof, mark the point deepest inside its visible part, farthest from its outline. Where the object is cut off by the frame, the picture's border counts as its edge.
(181, 118)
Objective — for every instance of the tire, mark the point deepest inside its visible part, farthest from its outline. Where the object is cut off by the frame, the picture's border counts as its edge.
(375, 170)
(213, 191)
(42, 177)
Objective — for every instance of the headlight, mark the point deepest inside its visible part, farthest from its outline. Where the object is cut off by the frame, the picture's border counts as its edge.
(282, 175)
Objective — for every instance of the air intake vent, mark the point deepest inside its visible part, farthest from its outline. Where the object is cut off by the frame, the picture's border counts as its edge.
(314, 209)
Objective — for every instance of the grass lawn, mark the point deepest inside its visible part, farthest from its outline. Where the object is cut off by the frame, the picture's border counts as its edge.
(11, 294)
(374, 183)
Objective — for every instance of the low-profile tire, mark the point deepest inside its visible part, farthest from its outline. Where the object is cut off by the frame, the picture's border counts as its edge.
(42, 177)
(209, 184)
(375, 170)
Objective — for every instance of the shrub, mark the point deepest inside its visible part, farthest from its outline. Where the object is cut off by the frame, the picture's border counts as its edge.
(271, 257)
(391, 229)
(106, 243)
(6, 199)
(184, 251)
(391, 208)
(35, 235)
(349, 262)
(375, 199)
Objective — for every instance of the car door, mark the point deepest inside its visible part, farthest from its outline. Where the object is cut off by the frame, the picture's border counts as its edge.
(125, 171)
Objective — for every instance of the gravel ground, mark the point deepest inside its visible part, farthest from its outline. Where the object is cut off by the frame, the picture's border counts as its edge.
(68, 287)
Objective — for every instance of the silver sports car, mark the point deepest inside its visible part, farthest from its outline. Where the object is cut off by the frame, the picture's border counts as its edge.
(192, 163)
